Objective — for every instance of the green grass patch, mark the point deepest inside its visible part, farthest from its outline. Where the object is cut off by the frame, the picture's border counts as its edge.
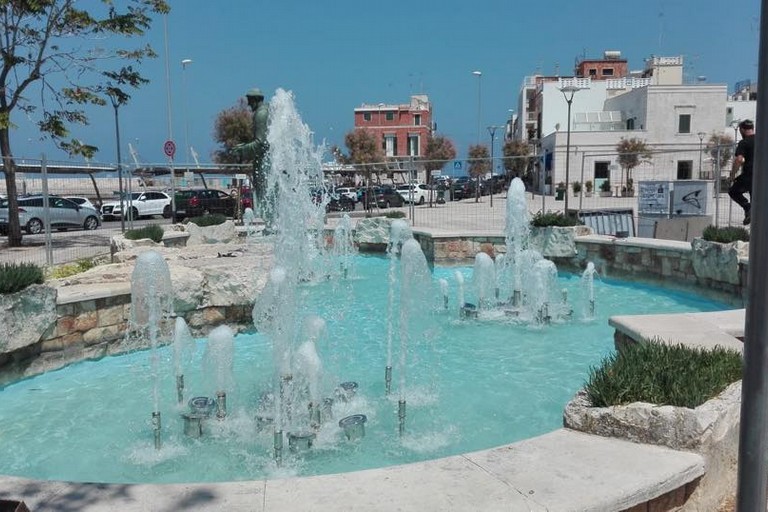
(70, 269)
(725, 235)
(662, 374)
(14, 277)
(213, 219)
(542, 220)
(152, 231)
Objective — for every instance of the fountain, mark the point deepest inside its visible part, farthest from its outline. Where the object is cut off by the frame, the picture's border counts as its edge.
(343, 250)
(399, 233)
(151, 306)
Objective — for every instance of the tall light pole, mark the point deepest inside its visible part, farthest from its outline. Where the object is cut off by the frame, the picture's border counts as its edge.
(568, 92)
(479, 75)
(701, 148)
(184, 64)
(113, 97)
(492, 131)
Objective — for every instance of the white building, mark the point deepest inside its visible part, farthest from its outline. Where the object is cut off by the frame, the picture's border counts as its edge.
(675, 120)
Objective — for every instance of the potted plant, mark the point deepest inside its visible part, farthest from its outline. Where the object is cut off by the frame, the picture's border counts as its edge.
(605, 189)
(576, 186)
(588, 188)
(560, 191)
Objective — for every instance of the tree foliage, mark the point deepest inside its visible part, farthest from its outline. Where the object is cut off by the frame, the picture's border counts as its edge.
(231, 127)
(631, 153)
(722, 146)
(516, 157)
(364, 149)
(439, 150)
(54, 66)
(479, 160)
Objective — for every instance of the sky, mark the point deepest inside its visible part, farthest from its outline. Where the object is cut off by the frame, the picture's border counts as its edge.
(336, 55)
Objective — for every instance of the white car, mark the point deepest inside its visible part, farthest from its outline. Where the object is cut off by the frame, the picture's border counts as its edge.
(351, 193)
(82, 201)
(143, 204)
(417, 193)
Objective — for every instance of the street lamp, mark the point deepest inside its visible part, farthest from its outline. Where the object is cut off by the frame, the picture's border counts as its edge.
(492, 131)
(184, 64)
(701, 147)
(568, 92)
(478, 74)
(116, 101)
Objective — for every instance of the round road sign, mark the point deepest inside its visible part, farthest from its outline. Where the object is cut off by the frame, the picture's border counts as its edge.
(169, 148)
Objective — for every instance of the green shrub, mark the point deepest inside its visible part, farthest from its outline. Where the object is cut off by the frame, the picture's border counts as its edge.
(541, 220)
(395, 215)
(725, 235)
(662, 374)
(213, 219)
(153, 231)
(70, 269)
(15, 277)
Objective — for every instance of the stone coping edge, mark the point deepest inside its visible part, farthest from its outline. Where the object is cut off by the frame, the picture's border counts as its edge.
(563, 470)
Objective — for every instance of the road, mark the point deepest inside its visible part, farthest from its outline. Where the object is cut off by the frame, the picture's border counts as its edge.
(68, 246)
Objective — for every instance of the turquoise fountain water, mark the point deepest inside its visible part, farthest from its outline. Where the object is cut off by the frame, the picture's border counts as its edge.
(322, 339)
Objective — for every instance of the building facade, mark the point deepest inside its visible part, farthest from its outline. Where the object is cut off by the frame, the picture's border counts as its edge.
(676, 121)
(402, 129)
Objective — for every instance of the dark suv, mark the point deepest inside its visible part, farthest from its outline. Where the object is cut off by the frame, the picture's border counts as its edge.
(383, 195)
(194, 202)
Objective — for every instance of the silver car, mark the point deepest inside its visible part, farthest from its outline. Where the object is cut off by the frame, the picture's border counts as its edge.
(63, 214)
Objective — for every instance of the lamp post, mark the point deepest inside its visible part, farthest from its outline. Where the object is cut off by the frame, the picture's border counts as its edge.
(492, 131)
(568, 92)
(116, 101)
(184, 64)
(701, 148)
(479, 75)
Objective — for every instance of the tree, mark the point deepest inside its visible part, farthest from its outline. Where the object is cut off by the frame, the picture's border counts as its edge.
(721, 146)
(232, 126)
(516, 160)
(44, 47)
(439, 150)
(631, 153)
(479, 164)
(365, 151)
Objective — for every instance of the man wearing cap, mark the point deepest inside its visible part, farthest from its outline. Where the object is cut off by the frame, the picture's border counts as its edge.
(742, 159)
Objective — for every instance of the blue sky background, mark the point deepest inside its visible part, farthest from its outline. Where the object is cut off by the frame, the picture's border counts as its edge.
(339, 54)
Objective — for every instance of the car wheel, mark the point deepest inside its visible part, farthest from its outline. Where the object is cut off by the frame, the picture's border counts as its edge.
(387, 204)
(135, 213)
(34, 226)
(90, 223)
(167, 212)
(421, 200)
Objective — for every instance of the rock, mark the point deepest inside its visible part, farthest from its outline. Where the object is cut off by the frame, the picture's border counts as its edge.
(27, 314)
(372, 232)
(224, 233)
(556, 241)
(717, 261)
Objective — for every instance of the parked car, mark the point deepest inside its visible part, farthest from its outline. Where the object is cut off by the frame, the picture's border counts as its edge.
(82, 201)
(348, 192)
(62, 214)
(143, 203)
(463, 187)
(382, 196)
(340, 203)
(418, 193)
(194, 202)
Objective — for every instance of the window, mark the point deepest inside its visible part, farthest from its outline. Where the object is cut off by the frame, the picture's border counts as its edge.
(684, 123)
(602, 170)
(366, 116)
(413, 145)
(390, 145)
(593, 72)
(607, 71)
(390, 116)
(631, 123)
(417, 119)
(684, 169)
